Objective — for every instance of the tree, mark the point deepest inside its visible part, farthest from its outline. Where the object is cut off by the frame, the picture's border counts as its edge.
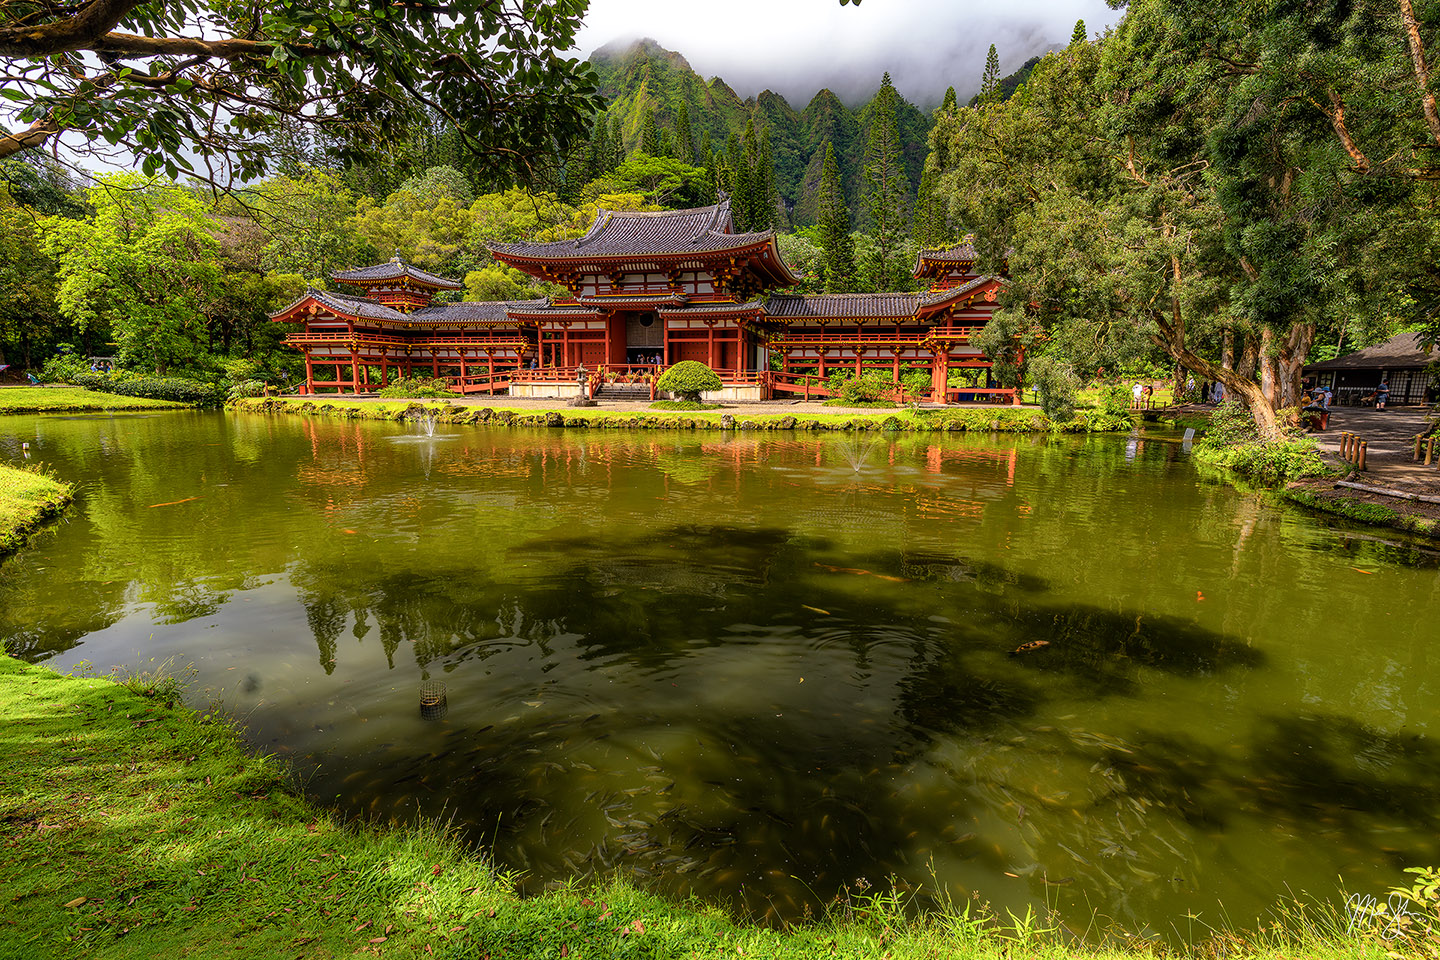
(650, 135)
(950, 104)
(146, 263)
(687, 379)
(837, 262)
(1078, 35)
(664, 181)
(425, 222)
(887, 191)
(684, 138)
(931, 220)
(30, 324)
(199, 85)
(990, 79)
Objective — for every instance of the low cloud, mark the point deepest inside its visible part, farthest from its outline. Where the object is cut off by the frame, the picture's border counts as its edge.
(796, 47)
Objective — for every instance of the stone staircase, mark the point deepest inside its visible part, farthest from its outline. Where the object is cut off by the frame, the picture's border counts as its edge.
(624, 391)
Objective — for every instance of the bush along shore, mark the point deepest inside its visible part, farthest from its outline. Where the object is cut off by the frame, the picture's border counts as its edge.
(137, 827)
(914, 420)
(17, 400)
(28, 497)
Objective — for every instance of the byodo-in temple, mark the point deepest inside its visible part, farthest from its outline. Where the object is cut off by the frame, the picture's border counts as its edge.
(646, 290)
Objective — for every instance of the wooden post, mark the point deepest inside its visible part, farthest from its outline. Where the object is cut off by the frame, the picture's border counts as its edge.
(1418, 438)
(1430, 452)
(1361, 461)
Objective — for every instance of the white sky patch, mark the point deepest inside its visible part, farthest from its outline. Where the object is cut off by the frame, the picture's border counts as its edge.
(796, 47)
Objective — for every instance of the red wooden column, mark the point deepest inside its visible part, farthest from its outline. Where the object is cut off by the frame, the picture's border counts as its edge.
(354, 371)
(940, 375)
(309, 372)
(710, 344)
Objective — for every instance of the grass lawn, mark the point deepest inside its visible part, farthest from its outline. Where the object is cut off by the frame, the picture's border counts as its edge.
(62, 399)
(136, 828)
(982, 419)
(27, 499)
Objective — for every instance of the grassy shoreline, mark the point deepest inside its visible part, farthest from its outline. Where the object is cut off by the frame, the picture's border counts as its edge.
(16, 400)
(958, 420)
(27, 499)
(135, 827)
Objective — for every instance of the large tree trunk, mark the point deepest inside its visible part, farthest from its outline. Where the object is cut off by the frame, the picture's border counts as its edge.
(1172, 340)
(1281, 364)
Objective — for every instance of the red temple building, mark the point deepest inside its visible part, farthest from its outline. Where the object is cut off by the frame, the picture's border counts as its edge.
(646, 290)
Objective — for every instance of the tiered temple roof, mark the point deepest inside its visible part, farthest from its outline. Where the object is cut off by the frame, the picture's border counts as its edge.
(635, 240)
(394, 269)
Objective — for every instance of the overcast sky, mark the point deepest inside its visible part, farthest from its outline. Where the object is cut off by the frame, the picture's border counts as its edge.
(795, 47)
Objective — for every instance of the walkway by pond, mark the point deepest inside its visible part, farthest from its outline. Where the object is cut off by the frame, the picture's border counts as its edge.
(1390, 435)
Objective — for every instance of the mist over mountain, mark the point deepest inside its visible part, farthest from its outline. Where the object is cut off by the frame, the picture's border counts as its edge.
(796, 47)
(641, 77)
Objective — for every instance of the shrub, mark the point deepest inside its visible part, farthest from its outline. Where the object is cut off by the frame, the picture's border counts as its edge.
(836, 379)
(125, 384)
(246, 388)
(1115, 400)
(916, 384)
(687, 379)
(405, 387)
(683, 405)
(1233, 442)
(64, 369)
(867, 388)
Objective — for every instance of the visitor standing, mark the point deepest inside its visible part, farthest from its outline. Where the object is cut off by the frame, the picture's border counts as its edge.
(1382, 393)
(1135, 395)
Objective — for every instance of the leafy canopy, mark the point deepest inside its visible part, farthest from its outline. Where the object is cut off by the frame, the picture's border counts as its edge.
(199, 85)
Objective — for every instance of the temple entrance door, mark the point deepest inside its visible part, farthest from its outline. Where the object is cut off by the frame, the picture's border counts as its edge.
(644, 338)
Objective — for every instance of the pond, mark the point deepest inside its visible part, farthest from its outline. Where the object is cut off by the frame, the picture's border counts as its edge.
(765, 667)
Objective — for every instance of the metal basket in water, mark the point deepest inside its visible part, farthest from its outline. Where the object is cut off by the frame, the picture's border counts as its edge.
(433, 704)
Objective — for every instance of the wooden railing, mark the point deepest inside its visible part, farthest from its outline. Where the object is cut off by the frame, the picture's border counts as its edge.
(488, 383)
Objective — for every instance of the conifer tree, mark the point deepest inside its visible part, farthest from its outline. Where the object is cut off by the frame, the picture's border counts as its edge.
(887, 189)
(1078, 35)
(767, 194)
(617, 144)
(747, 183)
(599, 150)
(990, 80)
(950, 103)
(930, 215)
(837, 247)
(665, 148)
(706, 158)
(684, 138)
(650, 135)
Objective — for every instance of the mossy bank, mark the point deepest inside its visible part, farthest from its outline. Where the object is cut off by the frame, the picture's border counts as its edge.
(956, 420)
(28, 497)
(137, 828)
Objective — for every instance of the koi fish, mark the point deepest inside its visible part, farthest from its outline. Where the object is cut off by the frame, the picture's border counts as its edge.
(1027, 647)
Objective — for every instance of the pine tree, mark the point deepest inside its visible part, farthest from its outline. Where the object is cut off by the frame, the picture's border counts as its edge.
(665, 148)
(837, 247)
(748, 188)
(887, 189)
(598, 155)
(617, 145)
(950, 105)
(1078, 35)
(930, 220)
(650, 135)
(706, 158)
(684, 138)
(990, 80)
(767, 194)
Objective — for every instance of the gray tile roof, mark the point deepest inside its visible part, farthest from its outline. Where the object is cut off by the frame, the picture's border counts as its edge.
(650, 299)
(493, 311)
(392, 270)
(627, 233)
(1399, 352)
(708, 309)
(841, 306)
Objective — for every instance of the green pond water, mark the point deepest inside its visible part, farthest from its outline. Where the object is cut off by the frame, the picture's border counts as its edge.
(762, 667)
